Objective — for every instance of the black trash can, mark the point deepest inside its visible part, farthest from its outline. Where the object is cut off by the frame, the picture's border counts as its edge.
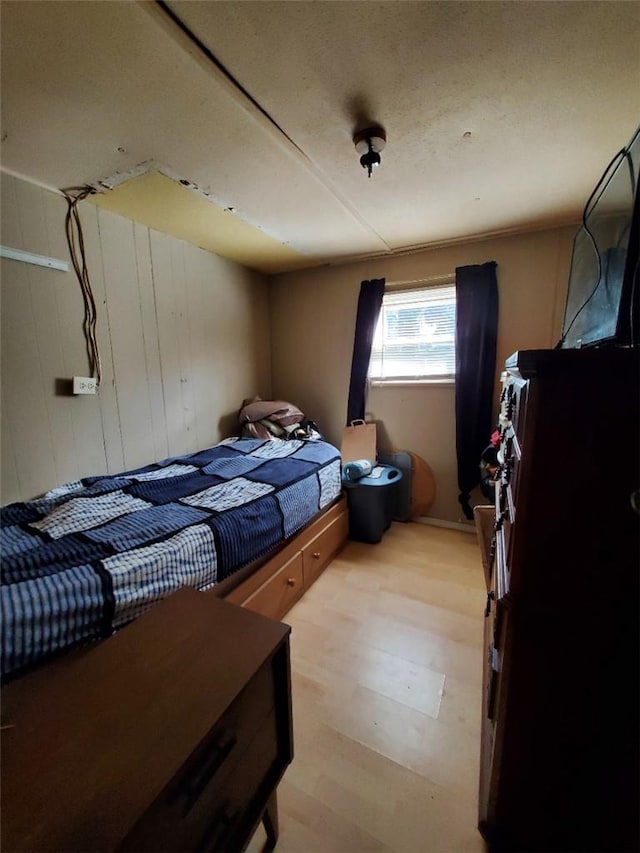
(371, 503)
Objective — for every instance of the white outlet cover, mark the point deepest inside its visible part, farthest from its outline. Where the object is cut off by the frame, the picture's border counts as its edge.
(85, 385)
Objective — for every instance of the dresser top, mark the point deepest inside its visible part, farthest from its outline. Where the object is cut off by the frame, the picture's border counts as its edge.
(530, 363)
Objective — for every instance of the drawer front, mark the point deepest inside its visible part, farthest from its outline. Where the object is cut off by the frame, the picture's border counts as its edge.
(492, 725)
(280, 592)
(320, 550)
(487, 732)
(223, 819)
(174, 816)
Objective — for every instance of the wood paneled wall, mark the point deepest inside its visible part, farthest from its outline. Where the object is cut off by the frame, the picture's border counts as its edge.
(183, 335)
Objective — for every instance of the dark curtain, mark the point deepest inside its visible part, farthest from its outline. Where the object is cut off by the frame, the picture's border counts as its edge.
(476, 336)
(369, 304)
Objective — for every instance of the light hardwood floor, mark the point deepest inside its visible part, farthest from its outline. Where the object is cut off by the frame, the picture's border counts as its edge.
(386, 670)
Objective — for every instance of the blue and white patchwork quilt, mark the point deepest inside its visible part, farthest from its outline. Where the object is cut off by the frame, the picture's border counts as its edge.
(92, 555)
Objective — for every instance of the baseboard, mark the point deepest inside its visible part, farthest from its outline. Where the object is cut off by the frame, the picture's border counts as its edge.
(469, 527)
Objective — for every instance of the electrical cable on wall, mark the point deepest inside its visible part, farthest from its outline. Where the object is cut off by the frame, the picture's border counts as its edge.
(75, 240)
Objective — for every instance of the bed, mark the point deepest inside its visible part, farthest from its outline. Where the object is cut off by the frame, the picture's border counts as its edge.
(89, 557)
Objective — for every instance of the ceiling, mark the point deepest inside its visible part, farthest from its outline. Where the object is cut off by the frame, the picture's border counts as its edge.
(237, 135)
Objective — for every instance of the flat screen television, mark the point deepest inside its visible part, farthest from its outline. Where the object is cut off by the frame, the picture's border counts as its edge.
(602, 298)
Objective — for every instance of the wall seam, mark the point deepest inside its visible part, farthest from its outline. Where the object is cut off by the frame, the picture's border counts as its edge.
(113, 366)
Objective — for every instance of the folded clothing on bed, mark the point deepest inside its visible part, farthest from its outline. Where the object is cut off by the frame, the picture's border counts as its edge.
(92, 555)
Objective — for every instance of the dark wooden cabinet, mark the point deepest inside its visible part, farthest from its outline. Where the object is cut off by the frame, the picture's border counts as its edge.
(561, 719)
(171, 735)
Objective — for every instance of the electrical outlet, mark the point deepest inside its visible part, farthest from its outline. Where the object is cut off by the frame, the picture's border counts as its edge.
(85, 385)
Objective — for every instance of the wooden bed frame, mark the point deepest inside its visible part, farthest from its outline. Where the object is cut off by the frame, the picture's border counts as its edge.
(275, 586)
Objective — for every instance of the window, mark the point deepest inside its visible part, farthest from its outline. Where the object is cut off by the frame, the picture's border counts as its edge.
(415, 335)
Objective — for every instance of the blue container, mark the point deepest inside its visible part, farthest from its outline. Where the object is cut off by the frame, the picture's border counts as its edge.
(356, 470)
(371, 502)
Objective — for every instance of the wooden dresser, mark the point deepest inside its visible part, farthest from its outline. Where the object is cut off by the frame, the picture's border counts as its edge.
(561, 718)
(171, 735)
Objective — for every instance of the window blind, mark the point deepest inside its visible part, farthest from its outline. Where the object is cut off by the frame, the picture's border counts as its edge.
(415, 335)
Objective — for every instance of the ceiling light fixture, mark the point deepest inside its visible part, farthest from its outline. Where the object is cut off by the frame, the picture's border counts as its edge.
(369, 143)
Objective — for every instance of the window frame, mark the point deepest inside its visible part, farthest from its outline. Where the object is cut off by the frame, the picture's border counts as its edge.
(418, 286)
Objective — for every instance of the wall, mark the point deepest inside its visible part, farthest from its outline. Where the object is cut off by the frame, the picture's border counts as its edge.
(183, 335)
(313, 319)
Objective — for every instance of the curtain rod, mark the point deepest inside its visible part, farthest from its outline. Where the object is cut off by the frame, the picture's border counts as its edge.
(435, 279)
